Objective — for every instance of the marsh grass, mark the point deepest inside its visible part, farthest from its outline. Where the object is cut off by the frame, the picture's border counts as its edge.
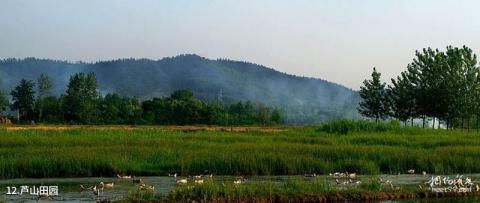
(296, 187)
(136, 195)
(104, 152)
(268, 189)
(345, 126)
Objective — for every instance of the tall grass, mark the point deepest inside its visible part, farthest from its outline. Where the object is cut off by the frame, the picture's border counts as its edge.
(344, 127)
(105, 152)
(276, 191)
(226, 190)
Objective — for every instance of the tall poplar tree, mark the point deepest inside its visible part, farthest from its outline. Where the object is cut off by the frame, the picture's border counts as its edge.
(374, 102)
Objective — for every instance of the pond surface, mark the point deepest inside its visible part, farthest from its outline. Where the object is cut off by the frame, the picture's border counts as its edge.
(69, 188)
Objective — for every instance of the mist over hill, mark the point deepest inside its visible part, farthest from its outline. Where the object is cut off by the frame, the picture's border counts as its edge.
(302, 99)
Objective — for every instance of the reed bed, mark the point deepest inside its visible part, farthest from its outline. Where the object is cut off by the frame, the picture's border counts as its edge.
(82, 152)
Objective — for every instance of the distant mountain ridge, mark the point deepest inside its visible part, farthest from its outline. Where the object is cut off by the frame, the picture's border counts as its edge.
(303, 99)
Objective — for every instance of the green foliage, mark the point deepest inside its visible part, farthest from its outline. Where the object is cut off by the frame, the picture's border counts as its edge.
(140, 196)
(3, 98)
(183, 108)
(373, 184)
(401, 98)
(374, 98)
(116, 109)
(51, 110)
(82, 99)
(443, 85)
(344, 127)
(3, 101)
(44, 91)
(23, 96)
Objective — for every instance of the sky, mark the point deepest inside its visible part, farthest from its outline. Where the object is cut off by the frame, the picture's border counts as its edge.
(339, 40)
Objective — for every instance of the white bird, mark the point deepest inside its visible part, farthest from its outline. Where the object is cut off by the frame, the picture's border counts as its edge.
(389, 182)
(411, 171)
(424, 173)
(200, 181)
(101, 186)
(182, 181)
(96, 191)
(146, 188)
(352, 175)
(239, 181)
(358, 182)
(123, 177)
(109, 185)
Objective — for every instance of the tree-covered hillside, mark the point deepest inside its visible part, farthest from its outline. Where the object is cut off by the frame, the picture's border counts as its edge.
(302, 100)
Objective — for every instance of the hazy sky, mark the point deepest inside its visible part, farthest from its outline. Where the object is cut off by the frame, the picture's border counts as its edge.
(335, 40)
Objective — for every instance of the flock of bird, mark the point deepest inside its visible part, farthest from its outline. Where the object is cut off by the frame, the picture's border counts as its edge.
(97, 188)
(351, 178)
(199, 179)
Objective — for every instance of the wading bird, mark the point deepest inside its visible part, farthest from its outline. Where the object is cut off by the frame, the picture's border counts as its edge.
(96, 191)
(239, 181)
(182, 181)
(109, 185)
(123, 177)
(148, 188)
(101, 186)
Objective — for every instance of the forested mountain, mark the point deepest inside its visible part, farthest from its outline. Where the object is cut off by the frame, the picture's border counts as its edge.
(302, 99)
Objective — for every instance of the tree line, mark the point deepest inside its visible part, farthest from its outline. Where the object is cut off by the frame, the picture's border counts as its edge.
(437, 85)
(33, 101)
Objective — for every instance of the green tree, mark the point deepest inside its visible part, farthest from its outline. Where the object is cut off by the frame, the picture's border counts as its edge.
(82, 99)
(120, 110)
(374, 102)
(3, 102)
(3, 99)
(462, 83)
(44, 90)
(401, 98)
(23, 96)
(52, 109)
(276, 117)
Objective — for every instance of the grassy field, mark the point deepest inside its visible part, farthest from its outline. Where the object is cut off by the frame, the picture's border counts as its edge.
(52, 151)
